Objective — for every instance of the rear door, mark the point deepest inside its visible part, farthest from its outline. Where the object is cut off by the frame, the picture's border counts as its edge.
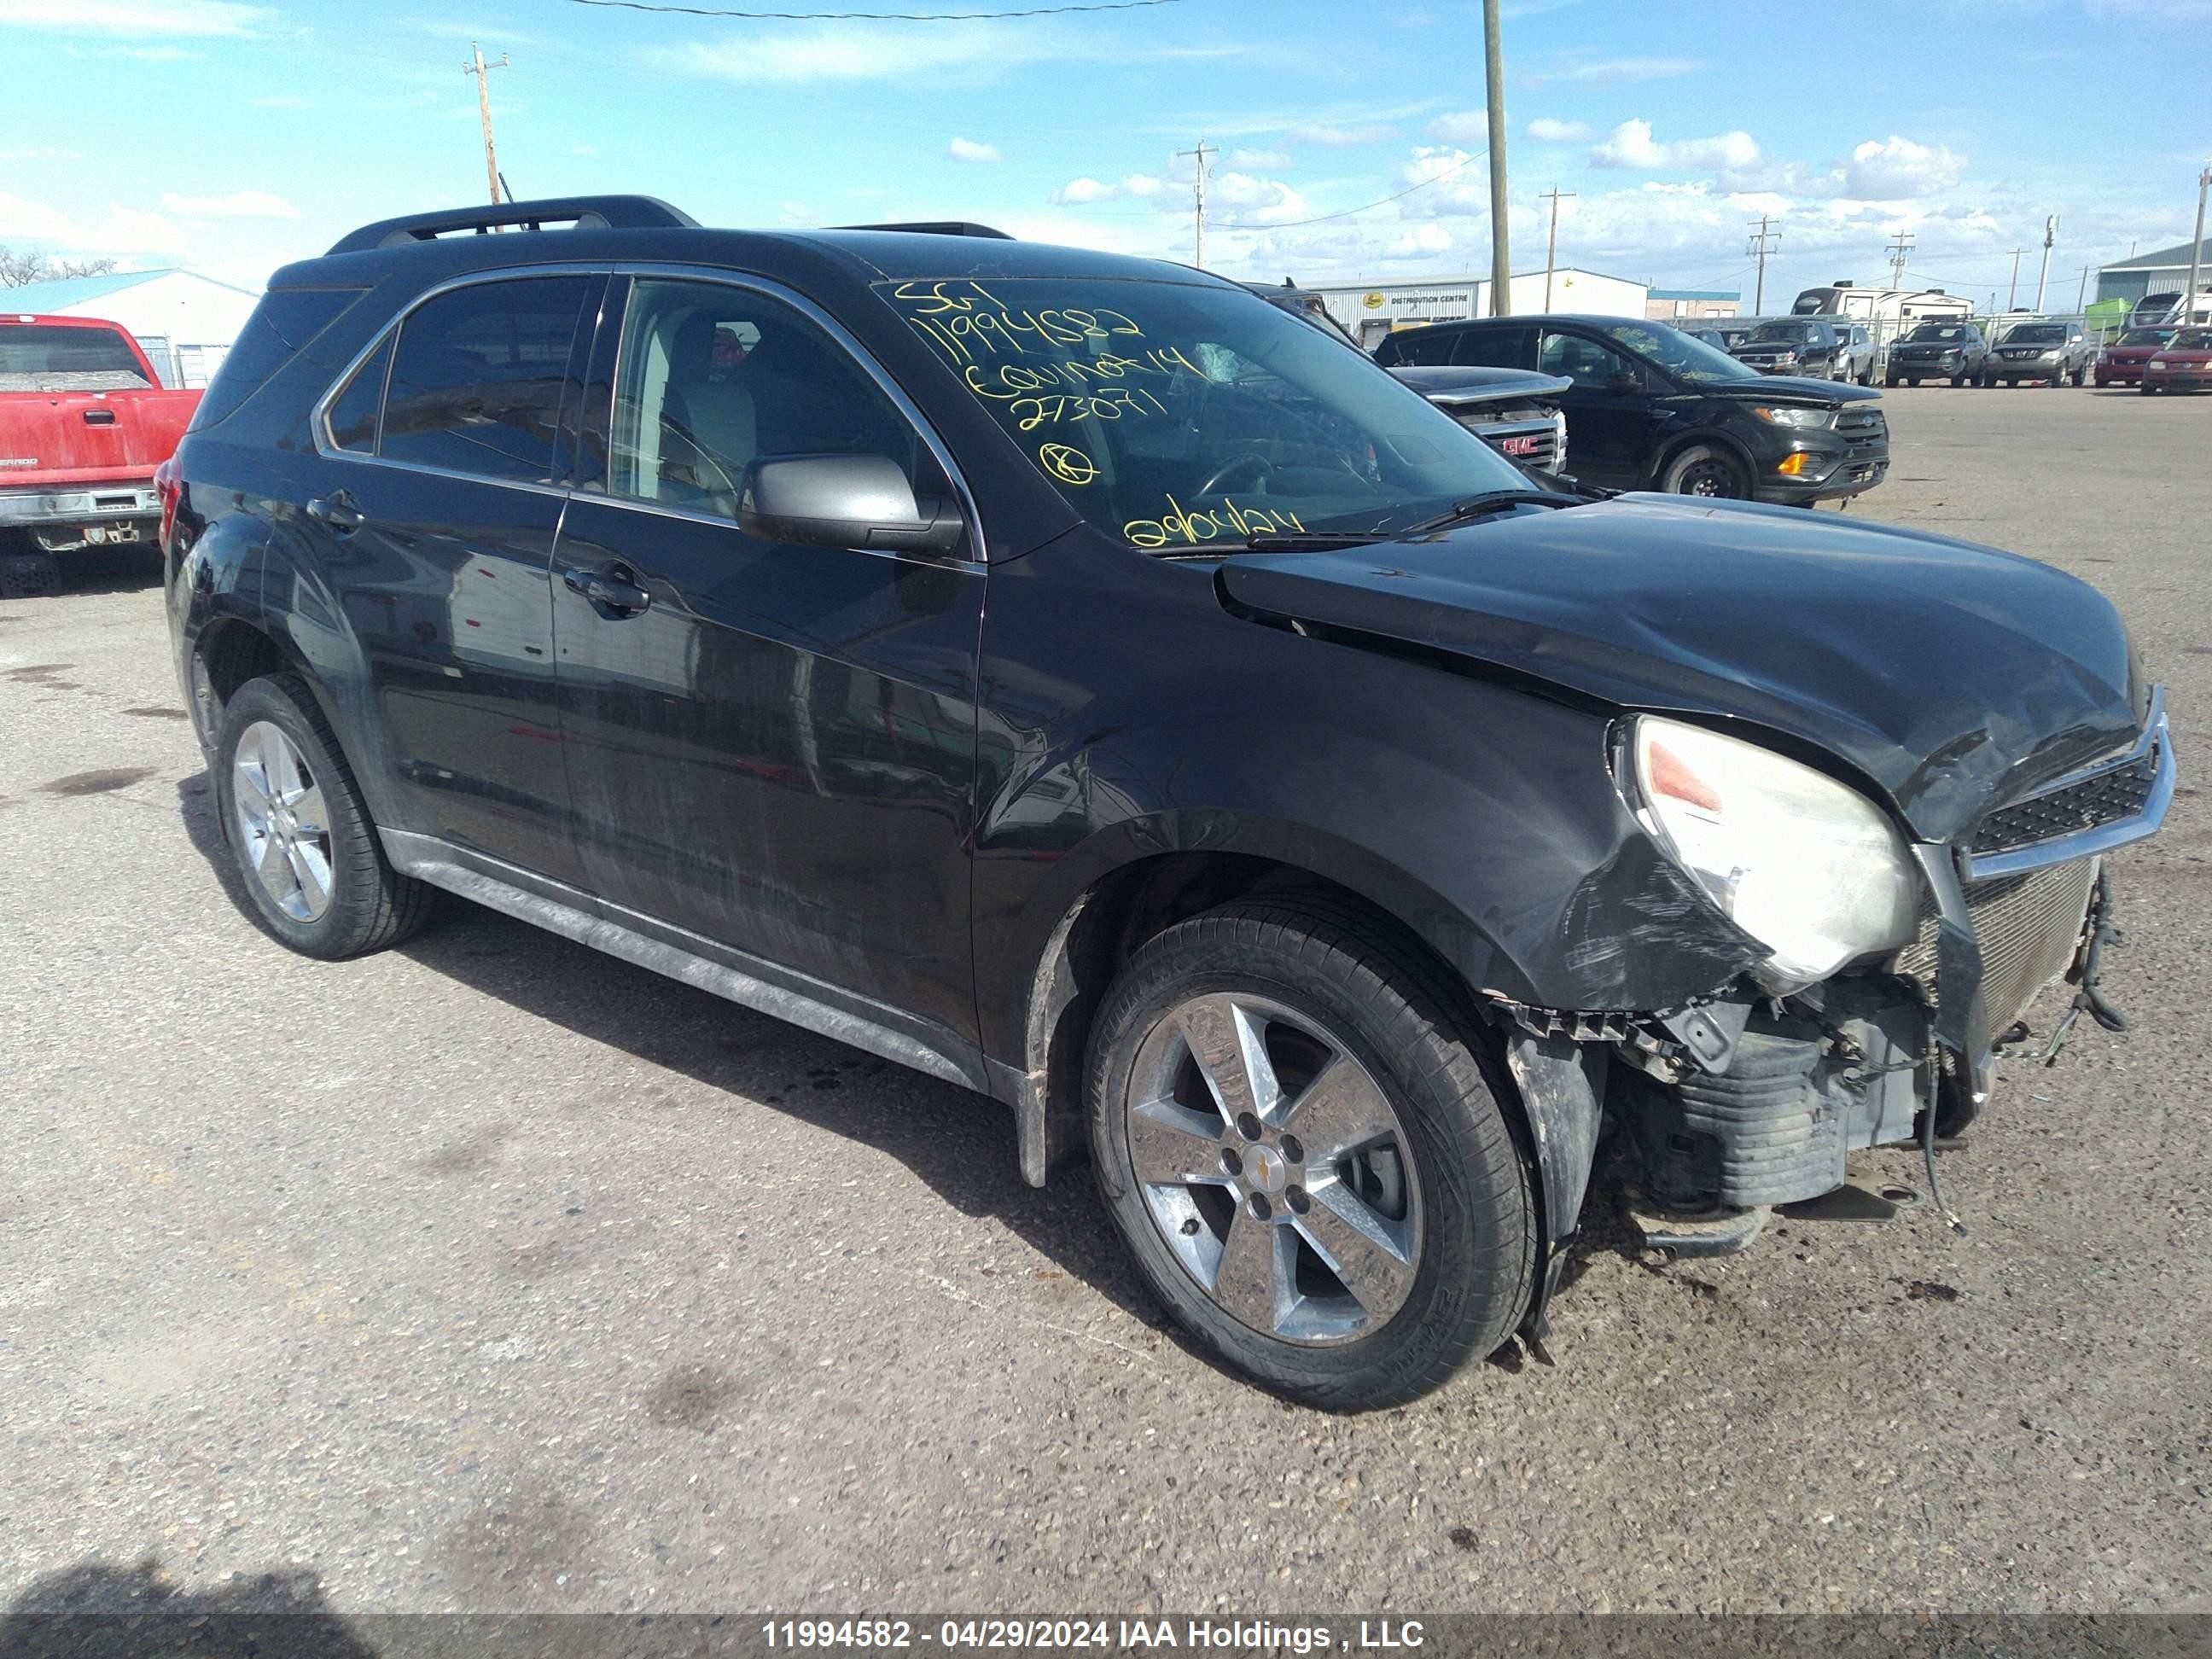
(437, 499)
(772, 746)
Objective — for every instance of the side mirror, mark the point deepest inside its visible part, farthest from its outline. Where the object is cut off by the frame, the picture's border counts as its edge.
(842, 500)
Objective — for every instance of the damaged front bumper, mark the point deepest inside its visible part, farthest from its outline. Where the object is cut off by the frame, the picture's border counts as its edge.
(1741, 1101)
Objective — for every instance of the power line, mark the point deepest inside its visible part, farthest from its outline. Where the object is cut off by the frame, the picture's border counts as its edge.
(869, 16)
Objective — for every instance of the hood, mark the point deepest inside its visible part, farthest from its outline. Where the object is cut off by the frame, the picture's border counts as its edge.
(1472, 384)
(1798, 388)
(1949, 675)
(1917, 347)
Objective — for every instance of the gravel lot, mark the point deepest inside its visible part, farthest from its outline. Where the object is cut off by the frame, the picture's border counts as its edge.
(489, 1274)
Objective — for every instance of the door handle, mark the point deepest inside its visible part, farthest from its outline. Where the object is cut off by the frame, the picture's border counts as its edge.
(612, 589)
(339, 510)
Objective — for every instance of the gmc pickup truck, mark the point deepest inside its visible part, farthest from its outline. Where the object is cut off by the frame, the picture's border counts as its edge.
(83, 423)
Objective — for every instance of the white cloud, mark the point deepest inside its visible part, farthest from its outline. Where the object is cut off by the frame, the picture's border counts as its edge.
(1630, 145)
(201, 18)
(1897, 167)
(967, 149)
(1080, 192)
(1250, 199)
(124, 231)
(1077, 192)
(584, 152)
(1626, 69)
(863, 52)
(1421, 240)
(238, 204)
(1338, 136)
(1461, 126)
(1545, 130)
(1259, 158)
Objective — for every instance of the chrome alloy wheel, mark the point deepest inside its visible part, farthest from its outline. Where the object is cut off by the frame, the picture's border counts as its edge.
(1275, 1169)
(283, 825)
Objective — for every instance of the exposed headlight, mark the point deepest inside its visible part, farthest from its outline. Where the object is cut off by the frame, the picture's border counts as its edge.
(2053, 352)
(2104, 357)
(1782, 415)
(2158, 362)
(1559, 445)
(1813, 870)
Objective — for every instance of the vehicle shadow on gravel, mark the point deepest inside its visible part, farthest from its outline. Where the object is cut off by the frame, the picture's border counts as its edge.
(129, 569)
(959, 1143)
(99, 1609)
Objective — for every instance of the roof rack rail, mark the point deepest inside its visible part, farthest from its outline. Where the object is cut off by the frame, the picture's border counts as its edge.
(580, 212)
(939, 227)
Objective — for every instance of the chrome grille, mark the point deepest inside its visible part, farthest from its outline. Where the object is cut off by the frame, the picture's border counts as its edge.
(2029, 927)
(2108, 797)
(1533, 443)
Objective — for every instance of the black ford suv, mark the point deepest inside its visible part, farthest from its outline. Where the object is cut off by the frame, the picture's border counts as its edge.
(1076, 679)
(1650, 408)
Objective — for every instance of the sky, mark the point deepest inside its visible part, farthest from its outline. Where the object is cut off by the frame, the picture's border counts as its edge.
(231, 138)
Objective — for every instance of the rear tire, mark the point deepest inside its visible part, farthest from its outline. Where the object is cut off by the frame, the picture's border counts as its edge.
(315, 874)
(1372, 1277)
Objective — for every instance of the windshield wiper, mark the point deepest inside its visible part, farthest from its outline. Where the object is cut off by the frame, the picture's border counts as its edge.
(1475, 507)
(1313, 540)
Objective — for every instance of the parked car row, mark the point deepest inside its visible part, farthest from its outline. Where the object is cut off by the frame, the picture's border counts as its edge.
(1650, 406)
(1824, 348)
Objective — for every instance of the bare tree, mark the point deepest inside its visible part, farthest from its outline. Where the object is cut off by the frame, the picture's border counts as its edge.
(33, 266)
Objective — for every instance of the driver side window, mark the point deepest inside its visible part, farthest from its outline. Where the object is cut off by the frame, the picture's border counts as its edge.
(1585, 362)
(716, 377)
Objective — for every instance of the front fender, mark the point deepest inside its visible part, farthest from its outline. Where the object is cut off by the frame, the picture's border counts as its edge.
(1479, 812)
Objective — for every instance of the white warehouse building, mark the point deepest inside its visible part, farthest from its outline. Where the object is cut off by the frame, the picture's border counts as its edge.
(1370, 310)
(186, 322)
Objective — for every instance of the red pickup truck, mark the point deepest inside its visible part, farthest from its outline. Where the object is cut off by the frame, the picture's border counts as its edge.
(83, 423)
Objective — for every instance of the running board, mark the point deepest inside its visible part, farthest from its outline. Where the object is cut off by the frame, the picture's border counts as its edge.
(621, 932)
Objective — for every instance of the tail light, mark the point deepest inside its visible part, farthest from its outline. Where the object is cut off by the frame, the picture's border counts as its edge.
(170, 488)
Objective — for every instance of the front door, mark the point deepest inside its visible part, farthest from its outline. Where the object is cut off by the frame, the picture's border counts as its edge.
(1608, 406)
(433, 512)
(771, 746)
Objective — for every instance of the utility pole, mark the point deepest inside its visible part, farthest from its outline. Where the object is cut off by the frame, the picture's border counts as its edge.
(1762, 235)
(1899, 245)
(1199, 190)
(2081, 294)
(482, 70)
(2049, 235)
(1551, 243)
(1493, 69)
(2013, 293)
(2196, 249)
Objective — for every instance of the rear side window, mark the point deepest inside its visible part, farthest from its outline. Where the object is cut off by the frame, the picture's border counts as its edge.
(1423, 348)
(281, 324)
(478, 376)
(1496, 348)
(353, 412)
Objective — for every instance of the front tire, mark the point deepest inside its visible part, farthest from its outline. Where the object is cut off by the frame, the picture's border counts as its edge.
(1703, 469)
(315, 875)
(1300, 1137)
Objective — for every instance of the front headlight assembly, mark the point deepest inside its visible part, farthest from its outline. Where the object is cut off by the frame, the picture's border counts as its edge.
(1785, 415)
(1812, 869)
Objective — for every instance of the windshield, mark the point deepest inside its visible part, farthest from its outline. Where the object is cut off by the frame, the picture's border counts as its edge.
(1174, 416)
(1681, 356)
(1938, 331)
(1790, 332)
(2035, 334)
(2193, 339)
(2145, 337)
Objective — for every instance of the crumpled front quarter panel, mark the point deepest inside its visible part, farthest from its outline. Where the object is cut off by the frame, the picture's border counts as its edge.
(1127, 715)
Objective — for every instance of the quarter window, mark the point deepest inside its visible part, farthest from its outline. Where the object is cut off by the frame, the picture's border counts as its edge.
(478, 376)
(353, 412)
(714, 376)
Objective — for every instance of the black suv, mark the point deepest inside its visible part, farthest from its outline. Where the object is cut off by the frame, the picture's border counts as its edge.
(1651, 408)
(1079, 680)
(1791, 345)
